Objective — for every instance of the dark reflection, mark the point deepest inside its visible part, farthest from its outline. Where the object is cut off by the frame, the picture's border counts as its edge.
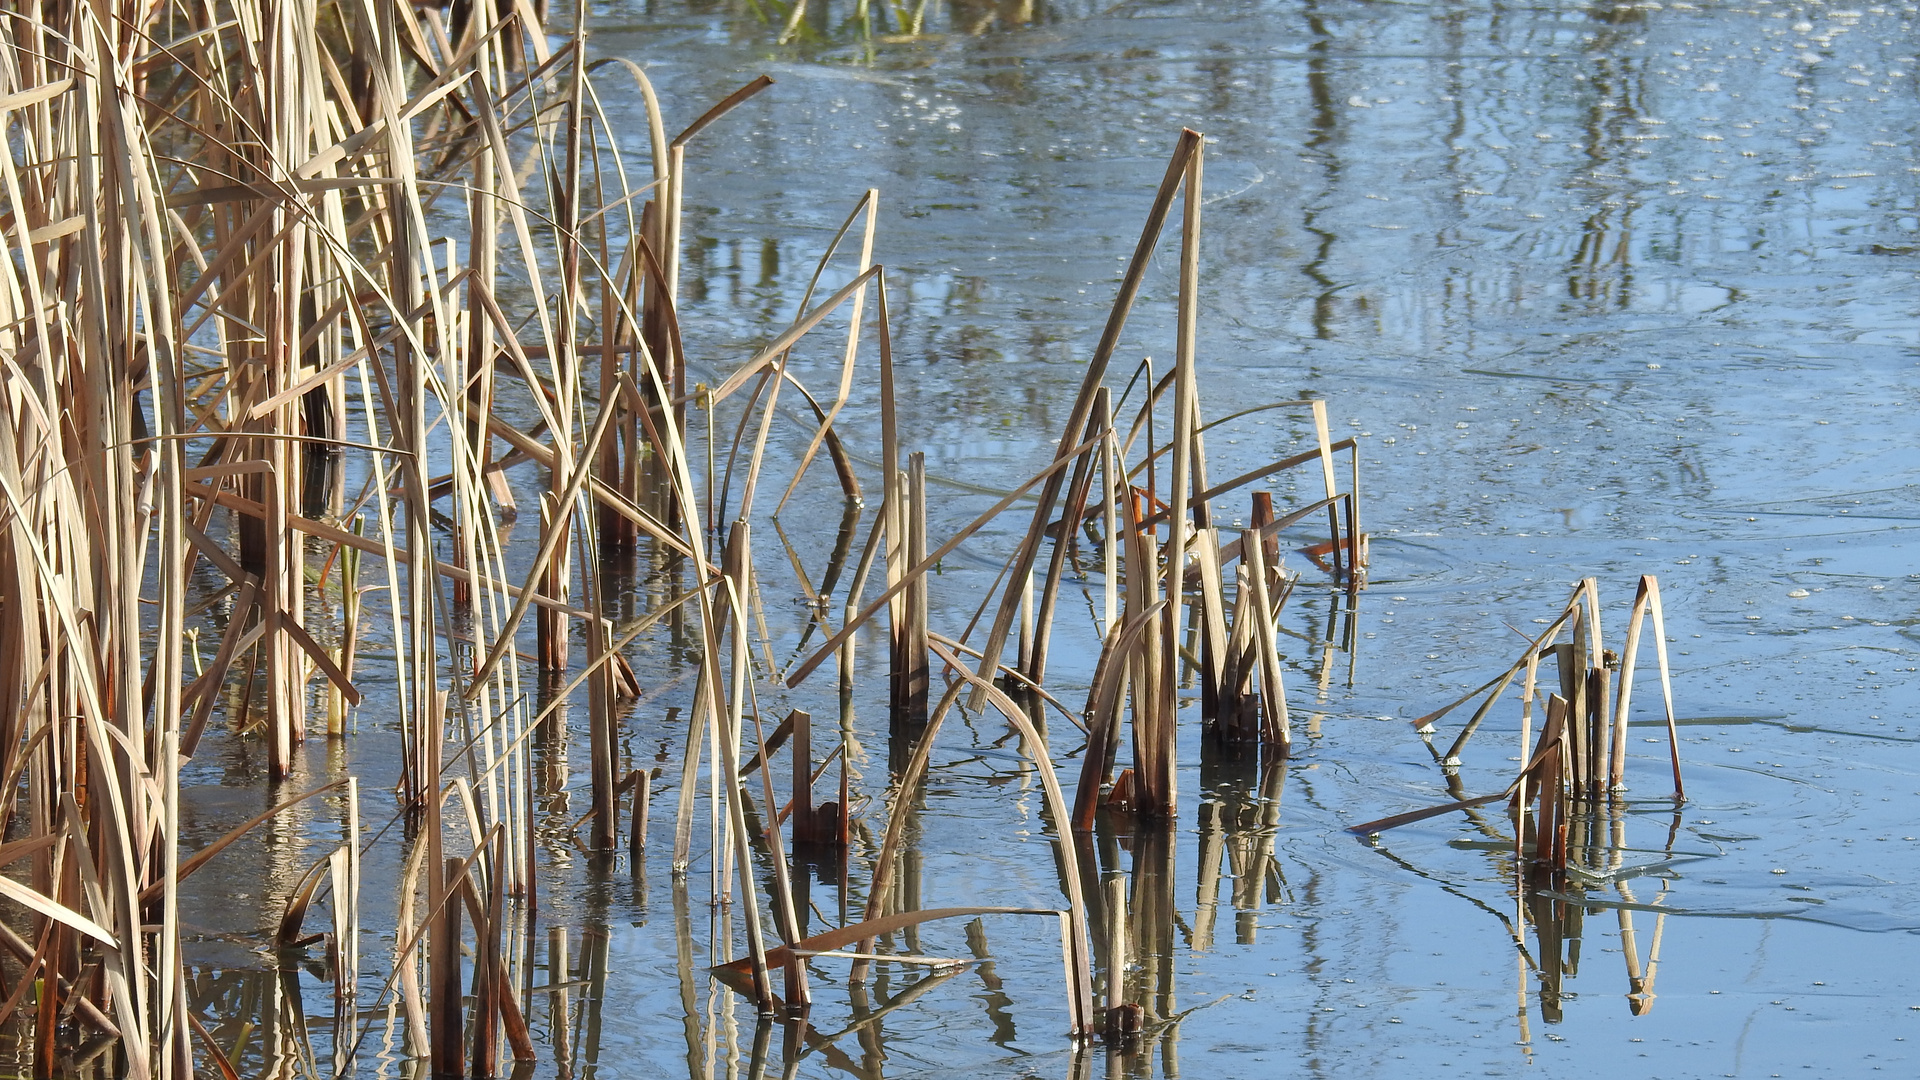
(322, 415)
(1640, 974)
(892, 972)
(259, 1020)
(1597, 850)
(594, 944)
(904, 734)
(550, 765)
(1152, 932)
(1600, 273)
(560, 1001)
(870, 1006)
(999, 1006)
(690, 982)
(819, 850)
(1239, 816)
(1556, 927)
(1322, 135)
(769, 261)
(1556, 905)
(1336, 636)
(93, 1056)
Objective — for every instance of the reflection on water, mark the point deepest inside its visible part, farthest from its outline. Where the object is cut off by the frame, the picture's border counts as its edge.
(1600, 274)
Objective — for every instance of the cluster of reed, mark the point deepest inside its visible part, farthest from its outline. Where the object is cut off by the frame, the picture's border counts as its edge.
(290, 285)
(1579, 760)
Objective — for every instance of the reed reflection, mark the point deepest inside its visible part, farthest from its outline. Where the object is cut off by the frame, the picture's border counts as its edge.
(1600, 275)
(1239, 820)
(1323, 135)
(1548, 922)
(1557, 904)
(261, 1021)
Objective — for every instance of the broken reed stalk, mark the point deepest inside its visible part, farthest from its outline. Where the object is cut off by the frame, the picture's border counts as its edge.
(1275, 726)
(909, 666)
(1646, 601)
(1078, 492)
(487, 989)
(447, 1023)
(1212, 619)
(1552, 787)
(603, 721)
(1116, 941)
(642, 783)
(896, 513)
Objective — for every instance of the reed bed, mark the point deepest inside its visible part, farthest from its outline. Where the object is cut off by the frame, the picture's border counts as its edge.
(291, 286)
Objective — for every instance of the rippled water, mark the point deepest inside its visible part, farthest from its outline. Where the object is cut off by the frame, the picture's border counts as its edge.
(1602, 290)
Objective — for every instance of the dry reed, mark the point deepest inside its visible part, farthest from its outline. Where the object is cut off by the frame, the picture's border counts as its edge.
(258, 253)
